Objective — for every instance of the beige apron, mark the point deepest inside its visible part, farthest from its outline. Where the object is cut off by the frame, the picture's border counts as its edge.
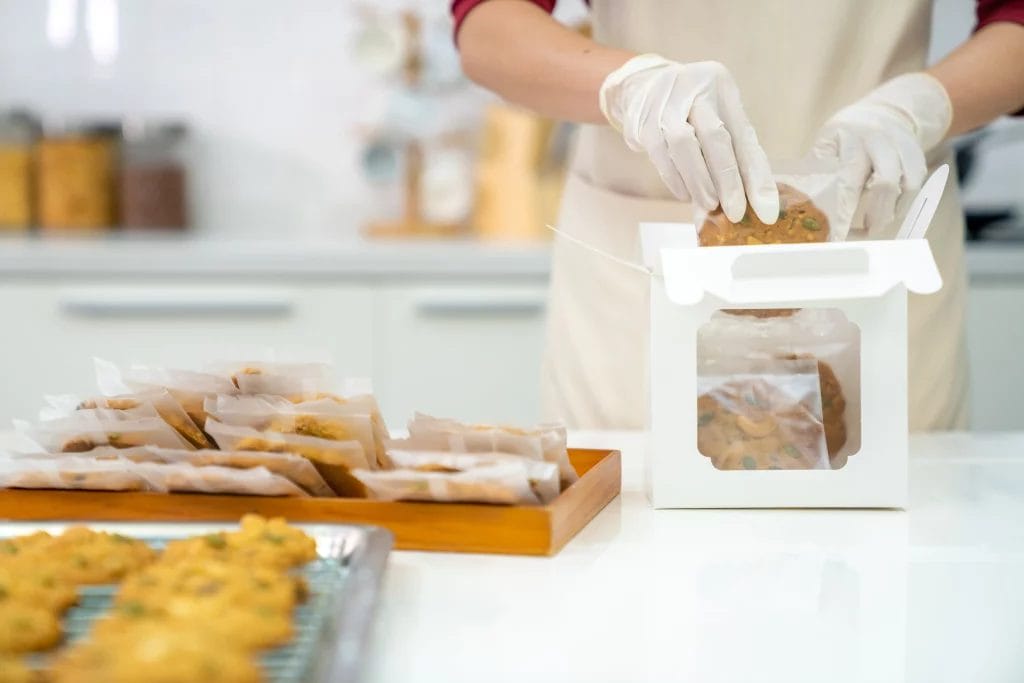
(796, 63)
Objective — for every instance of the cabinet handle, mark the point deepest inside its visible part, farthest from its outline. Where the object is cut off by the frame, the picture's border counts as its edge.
(467, 306)
(172, 304)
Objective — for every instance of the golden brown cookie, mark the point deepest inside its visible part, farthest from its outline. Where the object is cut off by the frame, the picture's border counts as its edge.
(799, 221)
(753, 425)
(154, 653)
(270, 543)
(36, 583)
(27, 628)
(833, 405)
(215, 580)
(14, 670)
(83, 556)
(247, 628)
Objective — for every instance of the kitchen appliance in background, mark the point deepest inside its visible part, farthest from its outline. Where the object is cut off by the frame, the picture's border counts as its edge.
(1000, 222)
(18, 133)
(152, 177)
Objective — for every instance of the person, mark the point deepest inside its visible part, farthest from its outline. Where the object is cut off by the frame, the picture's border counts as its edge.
(689, 100)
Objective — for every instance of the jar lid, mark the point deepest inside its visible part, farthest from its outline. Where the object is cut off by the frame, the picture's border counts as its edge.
(162, 130)
(19, 124)
(90, 127)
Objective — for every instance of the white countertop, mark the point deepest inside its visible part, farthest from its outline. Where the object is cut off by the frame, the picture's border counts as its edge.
(157, 255)
(929, 595)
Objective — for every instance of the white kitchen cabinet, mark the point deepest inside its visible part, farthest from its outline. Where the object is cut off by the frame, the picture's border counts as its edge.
(51, 331)
(470, 350)
(995, 342)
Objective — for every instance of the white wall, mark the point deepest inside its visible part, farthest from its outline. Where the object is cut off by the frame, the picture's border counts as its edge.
(269, 87)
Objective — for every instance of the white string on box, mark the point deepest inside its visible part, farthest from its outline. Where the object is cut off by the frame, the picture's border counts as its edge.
(591, 248)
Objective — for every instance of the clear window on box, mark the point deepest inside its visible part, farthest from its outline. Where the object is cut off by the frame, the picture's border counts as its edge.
(778, 389)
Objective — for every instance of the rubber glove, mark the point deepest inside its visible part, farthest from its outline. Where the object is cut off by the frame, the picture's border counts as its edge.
(689, 120)
(880, 142)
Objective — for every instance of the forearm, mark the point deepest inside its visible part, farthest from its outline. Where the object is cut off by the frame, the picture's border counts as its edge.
(517, 50)
(985, 76)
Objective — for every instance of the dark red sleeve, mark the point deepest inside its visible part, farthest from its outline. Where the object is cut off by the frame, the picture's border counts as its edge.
(991, 11)
(460, 8)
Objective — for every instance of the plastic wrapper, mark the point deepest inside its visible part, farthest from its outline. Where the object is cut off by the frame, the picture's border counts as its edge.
(545, 442)
(295, 468)
(808, 203)
(273, 377)
(321, 419)
(822, 337)
(85, 430)
(159, 400)
(334, 460)
(121, 474)
(189, 389)
(356, 403)
(766, 416)
(500, 483)
(182, 478)
(68, 472)
(543, 476)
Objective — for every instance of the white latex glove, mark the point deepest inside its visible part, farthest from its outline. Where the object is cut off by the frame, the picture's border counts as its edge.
(880, 142)
(689, 120)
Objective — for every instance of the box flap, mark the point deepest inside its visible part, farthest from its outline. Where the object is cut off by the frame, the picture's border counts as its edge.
(766, 274)
(654, 237)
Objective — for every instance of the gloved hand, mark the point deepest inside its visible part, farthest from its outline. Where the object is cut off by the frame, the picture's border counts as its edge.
(690, 121)
(880, 143)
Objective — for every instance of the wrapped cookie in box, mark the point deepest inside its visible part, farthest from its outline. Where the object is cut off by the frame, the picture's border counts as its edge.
(777, 368)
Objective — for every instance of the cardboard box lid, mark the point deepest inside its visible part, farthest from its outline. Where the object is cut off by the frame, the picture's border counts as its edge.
(784, 272)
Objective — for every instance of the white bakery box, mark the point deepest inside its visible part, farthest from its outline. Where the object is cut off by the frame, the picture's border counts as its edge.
(865, 281)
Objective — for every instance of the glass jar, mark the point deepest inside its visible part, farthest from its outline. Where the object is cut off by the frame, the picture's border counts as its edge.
(76, 167)
(18, 132)
(152, 177)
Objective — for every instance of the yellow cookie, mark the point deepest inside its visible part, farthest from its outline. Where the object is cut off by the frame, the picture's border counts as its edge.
(154, 653)
(27, 628)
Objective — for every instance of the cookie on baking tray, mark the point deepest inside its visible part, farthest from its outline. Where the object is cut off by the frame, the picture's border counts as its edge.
(153, 653)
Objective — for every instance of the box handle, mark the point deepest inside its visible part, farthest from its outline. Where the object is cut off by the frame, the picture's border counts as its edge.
(797, 264)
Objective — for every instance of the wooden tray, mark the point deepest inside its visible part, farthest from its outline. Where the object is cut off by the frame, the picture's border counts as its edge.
(416, 526)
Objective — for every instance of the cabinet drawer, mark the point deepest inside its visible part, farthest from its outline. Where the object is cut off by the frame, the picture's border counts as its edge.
(467, 351)
(995, 339)
(52, 332)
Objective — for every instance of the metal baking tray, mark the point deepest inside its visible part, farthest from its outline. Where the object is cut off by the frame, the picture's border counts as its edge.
(331, 627)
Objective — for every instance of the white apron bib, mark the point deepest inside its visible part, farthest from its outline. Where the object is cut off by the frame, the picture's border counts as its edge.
(796, 62)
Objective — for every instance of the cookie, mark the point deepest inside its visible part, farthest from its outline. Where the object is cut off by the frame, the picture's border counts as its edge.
(225, 583)
(36, 583)
(14, 670)
(833, 406)
(27, 628)
(754, 425)
(270, 543)
(83, 556)
(799, 221)
(246, 628)
(153, 653)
